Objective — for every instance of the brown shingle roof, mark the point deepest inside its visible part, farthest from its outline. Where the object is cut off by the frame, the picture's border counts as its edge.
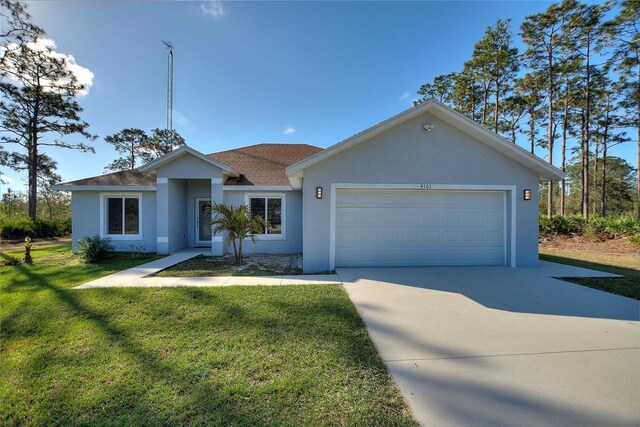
(124, 178)
(263, 164)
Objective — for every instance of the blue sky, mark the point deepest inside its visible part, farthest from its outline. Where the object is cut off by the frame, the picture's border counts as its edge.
(245, 72)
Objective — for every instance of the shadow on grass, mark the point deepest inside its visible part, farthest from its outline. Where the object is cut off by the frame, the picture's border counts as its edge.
(328, 324)
(218, 410)
(628, 272)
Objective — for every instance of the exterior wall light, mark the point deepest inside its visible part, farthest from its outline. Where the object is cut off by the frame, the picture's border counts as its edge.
(527, 194)
(318, 192)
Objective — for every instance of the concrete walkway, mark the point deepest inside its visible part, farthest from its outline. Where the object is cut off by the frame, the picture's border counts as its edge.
(502, 346)
(135, 277)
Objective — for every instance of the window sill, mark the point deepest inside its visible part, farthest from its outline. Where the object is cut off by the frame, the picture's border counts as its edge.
(123, 236)
(267, 237)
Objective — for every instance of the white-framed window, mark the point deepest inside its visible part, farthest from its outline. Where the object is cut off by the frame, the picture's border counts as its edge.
(121, 216)
(271, 207)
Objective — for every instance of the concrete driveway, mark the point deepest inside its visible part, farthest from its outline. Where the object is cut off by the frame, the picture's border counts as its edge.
(502, 346)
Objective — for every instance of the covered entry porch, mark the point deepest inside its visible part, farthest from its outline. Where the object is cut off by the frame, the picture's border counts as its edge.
(181, 218)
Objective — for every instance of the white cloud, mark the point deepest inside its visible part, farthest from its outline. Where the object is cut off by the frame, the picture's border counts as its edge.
(213, 8)
(405, 95)
(82, 74)
(289, 131)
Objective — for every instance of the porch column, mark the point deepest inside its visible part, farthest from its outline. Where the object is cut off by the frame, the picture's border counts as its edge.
(217, 245)
(162, 215)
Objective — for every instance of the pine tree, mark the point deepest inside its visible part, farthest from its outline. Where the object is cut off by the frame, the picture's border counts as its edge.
(39, 109)
(542, 34)
(624, 34)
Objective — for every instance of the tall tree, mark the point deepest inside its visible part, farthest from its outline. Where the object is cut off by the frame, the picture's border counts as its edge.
(135, 146)
(39, 109)
(497, 61)
(161, 142)
(624, 33)
(530, 89)
(16, 27)
(129, 143)
(584, 36)
(542, 34)
(439, 90)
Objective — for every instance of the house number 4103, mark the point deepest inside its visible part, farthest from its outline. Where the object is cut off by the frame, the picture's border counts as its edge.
(425, 186)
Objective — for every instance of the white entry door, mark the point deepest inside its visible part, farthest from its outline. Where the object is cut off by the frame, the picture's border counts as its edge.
(415, 228)
(203, 227)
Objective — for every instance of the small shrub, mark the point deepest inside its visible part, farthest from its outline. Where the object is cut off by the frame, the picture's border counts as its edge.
(94, 249)
(10, 261)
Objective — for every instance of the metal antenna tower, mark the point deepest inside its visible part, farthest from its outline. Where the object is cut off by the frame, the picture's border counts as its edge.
(169, 47)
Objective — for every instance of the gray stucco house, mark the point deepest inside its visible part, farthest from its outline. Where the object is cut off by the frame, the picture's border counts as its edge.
(425, 187)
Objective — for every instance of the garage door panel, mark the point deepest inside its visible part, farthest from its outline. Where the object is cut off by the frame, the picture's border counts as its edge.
(401, 227)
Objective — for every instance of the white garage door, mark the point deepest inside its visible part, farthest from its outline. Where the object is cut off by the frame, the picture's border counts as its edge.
(413, 228)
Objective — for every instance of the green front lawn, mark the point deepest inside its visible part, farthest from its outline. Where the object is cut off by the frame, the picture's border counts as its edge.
(627, 266)
(223, 356)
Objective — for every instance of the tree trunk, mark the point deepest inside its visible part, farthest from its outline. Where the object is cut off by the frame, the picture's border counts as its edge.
(595, 172)
(638, 160)
(532, 129)
(133, 157)
(582, 163)
(603, 211)
(473, 100)
(239, 260)
(550, 136)
(497, 109)
(485, 97)
(235, 250)
(33, 178)
(565, 123)
(585, 188)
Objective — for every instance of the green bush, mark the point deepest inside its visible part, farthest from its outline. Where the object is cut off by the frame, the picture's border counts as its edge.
(21, 228)
(94, 249)
(598, 227)
(561, 225)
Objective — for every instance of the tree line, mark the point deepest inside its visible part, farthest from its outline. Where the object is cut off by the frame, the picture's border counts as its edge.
(39, 109)
(576, 85)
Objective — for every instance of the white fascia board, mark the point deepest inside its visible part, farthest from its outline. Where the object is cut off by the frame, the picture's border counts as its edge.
(154, 164)
(452, 117)
(104, 188)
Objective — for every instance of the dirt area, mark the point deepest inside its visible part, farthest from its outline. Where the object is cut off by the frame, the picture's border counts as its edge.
(252, 265)
(611, 246)
(16, 245)
(616, 252)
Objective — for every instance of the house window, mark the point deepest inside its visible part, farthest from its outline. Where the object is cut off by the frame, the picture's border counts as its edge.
(121, 215)
(272, 209)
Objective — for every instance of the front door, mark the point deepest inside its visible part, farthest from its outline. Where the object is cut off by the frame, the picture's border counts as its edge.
(203, 227)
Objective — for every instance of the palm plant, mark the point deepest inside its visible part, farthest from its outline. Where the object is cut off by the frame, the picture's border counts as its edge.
(236, 223)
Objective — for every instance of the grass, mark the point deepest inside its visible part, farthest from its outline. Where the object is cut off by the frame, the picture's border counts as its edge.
(624, 265)
(242, 356)
(206, 266)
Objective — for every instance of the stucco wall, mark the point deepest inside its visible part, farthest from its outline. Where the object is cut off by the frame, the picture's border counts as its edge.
(188, 166)
(85, 217)
(177, 214)
(407, 154)
(293, 242)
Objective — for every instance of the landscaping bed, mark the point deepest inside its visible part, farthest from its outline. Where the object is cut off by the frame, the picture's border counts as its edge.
(617, 256)
(252, 265)
(290, 355)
